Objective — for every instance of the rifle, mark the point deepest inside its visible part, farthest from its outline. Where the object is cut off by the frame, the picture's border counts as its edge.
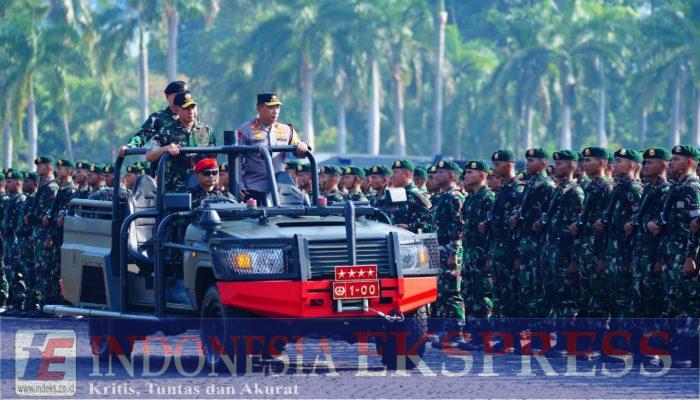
(601, 237)
(667, 206)
(637, 218)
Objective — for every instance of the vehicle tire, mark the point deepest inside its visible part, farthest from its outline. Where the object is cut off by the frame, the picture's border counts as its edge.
(415, 326)
(106, 338)
(219, 326)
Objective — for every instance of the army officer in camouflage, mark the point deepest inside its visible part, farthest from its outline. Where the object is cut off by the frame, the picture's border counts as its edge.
(413, 215)
(187, 131)
(158, 119)
(449, 226)
(265, 130)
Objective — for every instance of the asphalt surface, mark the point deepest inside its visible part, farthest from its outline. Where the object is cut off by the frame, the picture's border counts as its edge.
(348, 376)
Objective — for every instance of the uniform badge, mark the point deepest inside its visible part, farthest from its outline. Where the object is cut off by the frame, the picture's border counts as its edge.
(652, 152)
(201, 138)
(397, 164)
(623, 152)
(587, 152)
(531, 152)
(300, 168)
(441, 164)
(10, 175)
(495, 156)
(375, 170)
(348, 170)
(677, 149)
(59, 162)
(556, 155)
(473, 165)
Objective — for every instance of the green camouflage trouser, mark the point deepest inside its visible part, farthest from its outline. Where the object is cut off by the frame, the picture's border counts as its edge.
(450, 303)
(4, 285)
(504, 281)
(46, 286)
(23, 255)
(477, 290)
(530, 296)
(622, 287)
(652, 287)
(683, 293)
(560, 286)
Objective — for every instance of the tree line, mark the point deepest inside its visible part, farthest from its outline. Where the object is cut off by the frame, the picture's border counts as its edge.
(451, 77)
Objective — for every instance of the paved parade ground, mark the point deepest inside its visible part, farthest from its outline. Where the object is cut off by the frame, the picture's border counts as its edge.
(33, 350)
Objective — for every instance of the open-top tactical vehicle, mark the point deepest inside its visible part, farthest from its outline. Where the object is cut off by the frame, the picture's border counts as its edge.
(149, 256)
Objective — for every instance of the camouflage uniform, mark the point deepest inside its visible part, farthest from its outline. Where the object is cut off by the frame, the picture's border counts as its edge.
(199, 194)
(377, 200)
(477, 287)
(179, 167)
(356, 195)
(24, 254)
(107, 194)
(46, 274)
(151, 126)
(620, 284)
(334, 196)
(585, 182)
(63, 198)
(8, 225)
(592, 286)
(559, 284)
(502, 244)
(681, 205)
(4, 284)
(448, 224)
(415, 212)
(646, 250)
(535, 200)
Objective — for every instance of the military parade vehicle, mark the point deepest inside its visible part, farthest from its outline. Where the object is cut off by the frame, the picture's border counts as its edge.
(149, 256)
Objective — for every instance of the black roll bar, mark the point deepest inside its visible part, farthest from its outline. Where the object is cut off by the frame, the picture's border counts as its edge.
(120, 228)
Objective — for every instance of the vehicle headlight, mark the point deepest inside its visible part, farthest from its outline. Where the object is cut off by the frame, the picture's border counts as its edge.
(249, 261)
(414, 256)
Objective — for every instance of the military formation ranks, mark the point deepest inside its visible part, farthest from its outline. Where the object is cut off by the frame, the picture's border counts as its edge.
(32, 213)
(584, 236)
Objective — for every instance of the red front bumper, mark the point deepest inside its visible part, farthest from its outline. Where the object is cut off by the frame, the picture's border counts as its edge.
(313, 299)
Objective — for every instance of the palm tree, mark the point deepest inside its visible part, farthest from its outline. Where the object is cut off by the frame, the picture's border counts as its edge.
(440, 22)
(118, 25)
(22, 37)
(172, 9)
(673, 59)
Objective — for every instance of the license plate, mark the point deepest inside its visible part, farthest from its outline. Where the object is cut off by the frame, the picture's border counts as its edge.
(356, 273)
(355, 290)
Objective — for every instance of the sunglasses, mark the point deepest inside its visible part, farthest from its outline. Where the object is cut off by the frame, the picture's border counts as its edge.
(210, 172)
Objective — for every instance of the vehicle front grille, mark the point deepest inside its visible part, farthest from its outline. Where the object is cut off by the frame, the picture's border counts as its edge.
(92, 286)
(325, 255)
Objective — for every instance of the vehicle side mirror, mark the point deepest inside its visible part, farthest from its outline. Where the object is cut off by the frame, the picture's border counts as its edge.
(396, 195)
(175, 202)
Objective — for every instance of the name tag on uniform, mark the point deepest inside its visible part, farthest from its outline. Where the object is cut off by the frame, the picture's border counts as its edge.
(680, 204)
